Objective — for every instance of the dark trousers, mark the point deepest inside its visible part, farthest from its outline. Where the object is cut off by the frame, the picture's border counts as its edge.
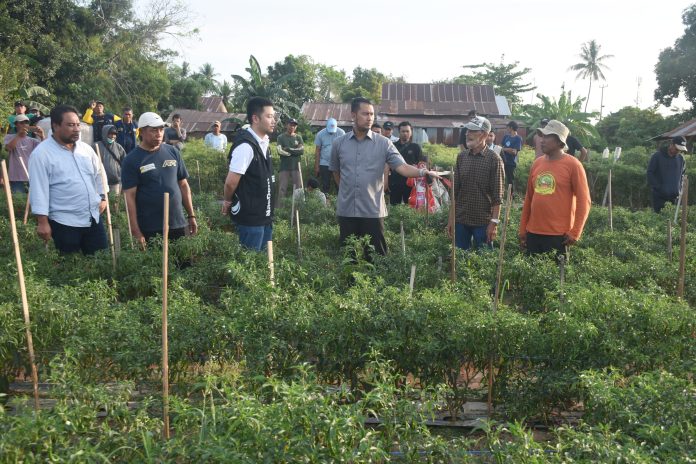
(174, 234)
(399, 193)
(360, 227)
(69, 239)
(538, 244)
(659, 201)
(325, 177)
(510, 175)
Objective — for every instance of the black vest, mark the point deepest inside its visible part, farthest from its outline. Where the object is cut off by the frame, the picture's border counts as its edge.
(252, 203)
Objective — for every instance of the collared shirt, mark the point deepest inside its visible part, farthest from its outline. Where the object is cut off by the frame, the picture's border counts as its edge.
(243, 154)
(361, 166)
(478, 186)
(66, 185)
(323, 140)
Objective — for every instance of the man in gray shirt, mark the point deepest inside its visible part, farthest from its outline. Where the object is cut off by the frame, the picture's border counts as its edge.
(357, 163)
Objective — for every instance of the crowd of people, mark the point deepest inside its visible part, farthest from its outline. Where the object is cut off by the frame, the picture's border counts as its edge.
(70, 179)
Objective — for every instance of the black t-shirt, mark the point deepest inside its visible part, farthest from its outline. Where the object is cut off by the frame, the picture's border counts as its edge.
(412, 153)
(573, 145)
(154, 173)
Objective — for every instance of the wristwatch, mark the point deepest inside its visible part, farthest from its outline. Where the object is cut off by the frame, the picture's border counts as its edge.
(495, 221)
(422, 172)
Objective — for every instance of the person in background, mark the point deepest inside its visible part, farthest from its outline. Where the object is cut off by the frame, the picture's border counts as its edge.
(323, 141)
(19, 146)
(175, 135)
(376, 128)
(97, 118)
(399, 191)
(538, 138)
(490, 141)
(19, 108)
(512, 144)
(387, 130)
(462, 131)
(112, 155)
(127, 130)
(215, 139)
(290, 149)
(67, 191)
(665, 171)
(312, 189)
(574, 146)
(557, 201)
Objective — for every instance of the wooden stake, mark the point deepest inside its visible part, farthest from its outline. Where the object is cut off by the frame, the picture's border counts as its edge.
(198, 173)
(669, 240)
(269, 246)
(22, 288)
(292, 210)
(299, 241)
(130, 234)
(165, 341)
(26, 207)
(453, 214)
(403, 239)
(299, 168)
(439, 264)
(110, 228)
(499, 274)
(413, 280)
(611, 209)
(682, 240)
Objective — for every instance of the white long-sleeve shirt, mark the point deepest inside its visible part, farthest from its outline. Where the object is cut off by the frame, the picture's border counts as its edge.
(65, 185)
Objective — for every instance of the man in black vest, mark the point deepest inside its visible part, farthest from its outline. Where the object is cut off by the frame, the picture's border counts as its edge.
(249, 188)
(399, 192)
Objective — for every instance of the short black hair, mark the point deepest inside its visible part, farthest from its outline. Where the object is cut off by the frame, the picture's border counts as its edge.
(58, 111)
(356, 102)
(255, 106)
(471, 113)
(376, 125)
(312, 182)
(513, 125)
(127, 108)
(176, 116)
(404, 124)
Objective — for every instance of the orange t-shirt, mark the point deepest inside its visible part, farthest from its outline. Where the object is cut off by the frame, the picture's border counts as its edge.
(558, 198)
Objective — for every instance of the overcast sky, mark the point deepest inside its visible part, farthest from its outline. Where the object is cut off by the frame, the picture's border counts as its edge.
(430, 40)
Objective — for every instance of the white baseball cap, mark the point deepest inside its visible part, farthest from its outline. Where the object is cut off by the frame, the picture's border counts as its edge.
(150, 119)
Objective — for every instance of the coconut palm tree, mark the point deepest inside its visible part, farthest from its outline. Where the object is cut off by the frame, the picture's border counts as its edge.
(225, 90)
(591, 65)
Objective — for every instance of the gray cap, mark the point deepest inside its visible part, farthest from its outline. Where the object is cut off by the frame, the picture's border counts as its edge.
(478, 123)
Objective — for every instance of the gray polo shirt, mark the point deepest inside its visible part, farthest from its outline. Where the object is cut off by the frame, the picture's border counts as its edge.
(361, 166)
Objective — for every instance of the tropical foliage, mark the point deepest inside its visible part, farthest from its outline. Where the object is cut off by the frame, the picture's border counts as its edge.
(592, 66)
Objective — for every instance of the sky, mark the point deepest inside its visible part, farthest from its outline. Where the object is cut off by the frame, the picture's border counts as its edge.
(432, 40)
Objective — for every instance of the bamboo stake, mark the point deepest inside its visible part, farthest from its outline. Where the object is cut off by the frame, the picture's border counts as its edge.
(299, 169)
(453, 212)
(165, 341)
(26, 207)
(499, 274)
(669, 240)
(198, 173)
(22, 288)
(413, 280)
(269, 246)
(403, 239)
(292, 210)
(682, 241)
(108, 218)
(130, 234)
(299, 241)
(439, 264)
(611, 209)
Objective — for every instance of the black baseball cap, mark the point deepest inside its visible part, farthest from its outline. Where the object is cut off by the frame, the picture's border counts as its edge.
(679, 142)
(19, 103)
(388, 125)
(292, 121)
(544, 122)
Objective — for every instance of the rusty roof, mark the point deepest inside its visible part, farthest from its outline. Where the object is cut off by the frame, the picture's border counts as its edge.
(212, 104)
(200, 121)
(437, 99)
(318, 113)
(688, 129)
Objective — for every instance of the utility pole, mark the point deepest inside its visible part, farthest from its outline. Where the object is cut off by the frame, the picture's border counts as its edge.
(639, 81)
(601, 102)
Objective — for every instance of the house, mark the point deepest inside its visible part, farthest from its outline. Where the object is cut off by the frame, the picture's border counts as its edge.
(686, 130)
(438, 109)
(198, 123)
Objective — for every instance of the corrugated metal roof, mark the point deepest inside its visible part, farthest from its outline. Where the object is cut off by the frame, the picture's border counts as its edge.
(438, 99)
(200, 121)
(213, 104)
(503, 107)
(319, 113)
(688, 129)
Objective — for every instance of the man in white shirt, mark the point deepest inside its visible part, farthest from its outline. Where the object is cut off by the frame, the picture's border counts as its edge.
(215, 139)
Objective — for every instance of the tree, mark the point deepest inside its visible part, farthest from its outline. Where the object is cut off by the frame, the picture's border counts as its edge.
(330, 83)
(259, 85)
(302, 85)
(206, 77)
(591, 65)
(631, 127)
(506, 79)
(676, 66)
(364, 83)
(566, 110)
(225, 90)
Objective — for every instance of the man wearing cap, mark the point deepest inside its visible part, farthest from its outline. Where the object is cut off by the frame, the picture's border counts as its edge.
(67, 191)
(387, 130)
(462, 131)
(665, 172)
(290, 149)
(215, 139)
(538, 138)
(127, 130)
(512, 144)
(97, 118)
(478, 190)
(147, 172)
(323, 141)
(112, 155)
(557, 201)
(399, 192)
(248, 192)
(20, 108)
(19, 146)
(357, 163)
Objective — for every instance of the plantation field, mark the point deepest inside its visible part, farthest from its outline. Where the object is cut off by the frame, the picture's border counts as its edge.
(338, 362)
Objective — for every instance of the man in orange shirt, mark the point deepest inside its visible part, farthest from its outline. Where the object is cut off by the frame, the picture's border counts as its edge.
(557, 202)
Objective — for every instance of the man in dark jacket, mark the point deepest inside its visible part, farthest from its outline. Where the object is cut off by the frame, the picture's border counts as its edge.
(665, 172)
(127, 130)
(111, 154)
(248, 194)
